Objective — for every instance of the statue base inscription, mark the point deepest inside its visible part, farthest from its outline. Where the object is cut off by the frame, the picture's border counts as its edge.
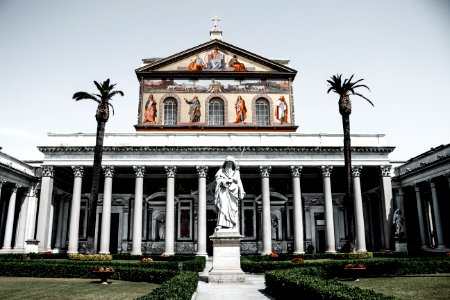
(226, 257)
(401, 246)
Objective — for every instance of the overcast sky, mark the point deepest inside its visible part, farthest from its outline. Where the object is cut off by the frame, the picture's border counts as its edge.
(50, 49)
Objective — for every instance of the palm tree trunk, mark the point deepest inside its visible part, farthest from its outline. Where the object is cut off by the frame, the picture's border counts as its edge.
(348, 199)
(93, 200)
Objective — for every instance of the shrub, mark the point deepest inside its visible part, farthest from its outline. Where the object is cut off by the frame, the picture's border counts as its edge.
(288, 284)
(180, 287)
(357, 255)
(90, 257)
(297, 260)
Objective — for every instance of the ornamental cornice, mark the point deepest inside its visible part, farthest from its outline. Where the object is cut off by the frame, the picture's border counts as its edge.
(50, 149)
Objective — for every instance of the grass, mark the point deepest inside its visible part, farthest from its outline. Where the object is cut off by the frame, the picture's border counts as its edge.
(71, 288)
(429, 286)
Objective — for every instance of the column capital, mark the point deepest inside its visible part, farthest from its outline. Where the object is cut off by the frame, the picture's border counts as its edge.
(385, 170)
(326, 170)
(47, 171)
(108, 170)
(356, 171)
(265, 170)
(296, 171)
(399, 192)
(2, 182)
(416, 188)
(139, 171)
(171, 171)
(431, 182)
(78, 171)
(202, 171)
(447, 174)
(15, 187)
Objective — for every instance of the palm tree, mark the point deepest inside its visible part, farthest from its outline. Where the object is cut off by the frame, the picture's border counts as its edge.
(344, 90)
(102, 115)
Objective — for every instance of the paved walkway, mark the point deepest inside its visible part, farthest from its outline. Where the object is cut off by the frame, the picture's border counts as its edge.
(251, 289)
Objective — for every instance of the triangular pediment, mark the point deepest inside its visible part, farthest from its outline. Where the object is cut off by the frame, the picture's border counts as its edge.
(216, 57)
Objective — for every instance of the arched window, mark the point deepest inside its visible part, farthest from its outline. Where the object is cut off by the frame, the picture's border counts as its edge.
(262, 112)
(170, 111)
(216, 112)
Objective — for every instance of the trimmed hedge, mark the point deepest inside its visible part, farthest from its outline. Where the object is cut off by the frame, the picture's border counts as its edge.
(289, 284)
(180, 287)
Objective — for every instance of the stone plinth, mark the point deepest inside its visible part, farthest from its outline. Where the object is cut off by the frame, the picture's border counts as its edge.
(31, 246)
(226, 257)
(401, 246)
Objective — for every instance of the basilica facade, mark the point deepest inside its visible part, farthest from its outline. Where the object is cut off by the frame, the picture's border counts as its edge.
(195, 108)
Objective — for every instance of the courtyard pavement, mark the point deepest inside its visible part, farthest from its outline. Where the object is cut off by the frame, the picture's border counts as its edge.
(251, 289)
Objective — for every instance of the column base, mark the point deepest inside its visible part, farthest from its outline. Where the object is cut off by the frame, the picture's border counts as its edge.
(401, 247)
(330, 252)
(299, 252)
(441, 247)
(204, 254)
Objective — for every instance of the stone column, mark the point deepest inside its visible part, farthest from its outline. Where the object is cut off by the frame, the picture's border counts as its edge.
(329, 222)
(423, 243)
(10, 218)
(298, 209)
(30, 225)
(58, 245)
(266, 219)
(106, 214)
(78, 172)
(386, 204)
(65, 223)
(170, 211)
(21, 223)
(43, 234)
(202, 171)
(358, 207)
(137, 217)
(437, 216)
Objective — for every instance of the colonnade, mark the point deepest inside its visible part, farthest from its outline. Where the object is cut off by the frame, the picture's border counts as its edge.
(44, 222)
(429, 216)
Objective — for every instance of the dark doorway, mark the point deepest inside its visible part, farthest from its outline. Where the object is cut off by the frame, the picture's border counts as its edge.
(211, 222)
(320, 240)
(113, 233)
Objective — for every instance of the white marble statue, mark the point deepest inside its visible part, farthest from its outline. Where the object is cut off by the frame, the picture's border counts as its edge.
(228, 192)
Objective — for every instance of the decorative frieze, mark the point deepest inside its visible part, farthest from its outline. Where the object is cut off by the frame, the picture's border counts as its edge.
(296, 170)
(385, 170)
(171, 171)
(158, 149)
(108, 170)
(47, 171)
(326, 170)
(139, 171)
(202, 171)
(265, 170)
(78, 171)
(356, 171)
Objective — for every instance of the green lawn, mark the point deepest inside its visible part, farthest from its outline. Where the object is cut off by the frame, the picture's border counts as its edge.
(71, 288)
(428, 286)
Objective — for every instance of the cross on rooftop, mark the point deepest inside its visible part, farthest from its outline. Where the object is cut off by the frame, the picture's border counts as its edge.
(215, 20)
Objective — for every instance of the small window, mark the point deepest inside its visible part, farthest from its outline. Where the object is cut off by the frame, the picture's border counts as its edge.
(185, 220)
(262, 112)
(170, 112)
(216, 112)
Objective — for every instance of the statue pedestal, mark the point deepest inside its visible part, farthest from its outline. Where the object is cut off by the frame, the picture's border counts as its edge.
(401, 246)
(226, 257)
